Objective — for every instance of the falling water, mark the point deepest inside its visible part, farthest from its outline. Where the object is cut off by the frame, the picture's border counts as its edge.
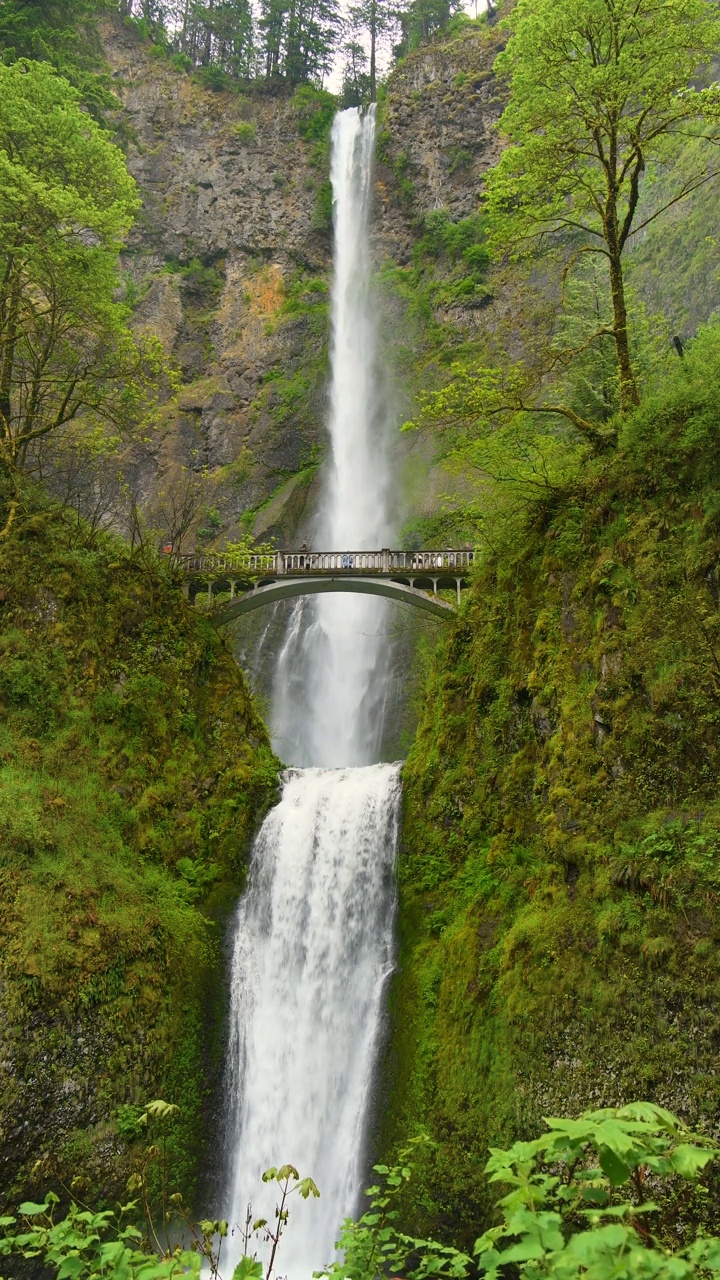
(313, 951)
(333, 670)
(313, 938)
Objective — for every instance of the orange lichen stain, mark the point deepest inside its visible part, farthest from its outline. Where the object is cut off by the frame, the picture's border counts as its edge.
(266, 291)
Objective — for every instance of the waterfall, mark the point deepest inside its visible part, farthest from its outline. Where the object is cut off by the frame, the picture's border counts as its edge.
(313, 936)
(313, 951)
(333, 670)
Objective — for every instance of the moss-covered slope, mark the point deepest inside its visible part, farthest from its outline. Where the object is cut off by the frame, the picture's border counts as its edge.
(133, 767)
(561, 863)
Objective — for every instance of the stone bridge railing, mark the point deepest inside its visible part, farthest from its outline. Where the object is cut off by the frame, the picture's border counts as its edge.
(292, 563)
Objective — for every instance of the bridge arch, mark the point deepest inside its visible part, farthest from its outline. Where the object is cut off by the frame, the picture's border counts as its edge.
(288, 588)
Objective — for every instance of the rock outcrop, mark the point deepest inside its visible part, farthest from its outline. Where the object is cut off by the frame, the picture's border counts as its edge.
(229, 261)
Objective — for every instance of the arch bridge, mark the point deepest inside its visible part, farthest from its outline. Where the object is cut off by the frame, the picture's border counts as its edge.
(252, 580)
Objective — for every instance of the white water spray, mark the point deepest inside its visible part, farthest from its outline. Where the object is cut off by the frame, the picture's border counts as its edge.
(313, 941)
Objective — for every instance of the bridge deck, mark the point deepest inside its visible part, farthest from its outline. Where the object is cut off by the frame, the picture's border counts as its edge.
(319, 562)
(252, 580)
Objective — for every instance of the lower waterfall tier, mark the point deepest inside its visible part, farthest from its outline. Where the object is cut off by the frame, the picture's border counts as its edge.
(313, 949)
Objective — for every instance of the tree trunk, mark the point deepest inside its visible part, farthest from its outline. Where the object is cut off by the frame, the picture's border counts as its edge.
(373, 43)
(7, 361)
(207, 52)
(629, 397)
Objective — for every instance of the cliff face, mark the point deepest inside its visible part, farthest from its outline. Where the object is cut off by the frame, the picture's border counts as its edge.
(217, 266)
(437, 135)
(229, 261)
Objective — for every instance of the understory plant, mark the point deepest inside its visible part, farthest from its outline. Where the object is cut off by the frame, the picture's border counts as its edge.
(111, 1245)
(586, 1198)
(581, 1200)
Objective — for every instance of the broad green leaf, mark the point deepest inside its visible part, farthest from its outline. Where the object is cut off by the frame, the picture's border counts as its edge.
(612, 1165)
(688, 1160)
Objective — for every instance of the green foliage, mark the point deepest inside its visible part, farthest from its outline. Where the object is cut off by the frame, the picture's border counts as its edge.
(461, 160)
(84, 1245)
(67, 353)
(559, 922)
(578, 151)
(134, 767)
(577, 1204)
(420, 20)
(245, 131)
(214, 78)
(323, 212)
(181, 62)
(130, 1121)
(315, 111)
(459, 249)
(64, 34)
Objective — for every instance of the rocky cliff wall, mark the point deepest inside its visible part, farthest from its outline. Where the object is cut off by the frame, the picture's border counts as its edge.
(229, 262)
(228, 231)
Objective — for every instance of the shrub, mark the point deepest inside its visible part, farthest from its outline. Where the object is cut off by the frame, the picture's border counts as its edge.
(315, 109)
(245, 131)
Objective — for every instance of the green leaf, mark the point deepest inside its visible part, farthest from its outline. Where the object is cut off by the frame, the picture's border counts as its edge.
(612, 1165)
(688, 1160)
(248, 1269)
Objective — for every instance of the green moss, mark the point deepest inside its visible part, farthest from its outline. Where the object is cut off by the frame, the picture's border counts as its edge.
(134, 769)
(559, 928)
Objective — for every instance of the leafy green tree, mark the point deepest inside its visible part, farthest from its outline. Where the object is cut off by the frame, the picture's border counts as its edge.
(599, 91)
(67, 355)
(64, 33)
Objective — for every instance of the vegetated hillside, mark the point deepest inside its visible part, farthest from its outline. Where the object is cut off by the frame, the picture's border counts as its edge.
(133, 769)
(559, 922)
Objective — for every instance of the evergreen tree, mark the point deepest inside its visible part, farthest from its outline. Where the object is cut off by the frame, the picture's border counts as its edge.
(422, 20)
(373, 21)
(356, 79)
(300, 38)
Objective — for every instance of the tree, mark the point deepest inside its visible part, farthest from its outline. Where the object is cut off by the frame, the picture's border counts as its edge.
(300, 38)
(421, 20)
(374, 20)
(356, 80)
(66, 200)
(64, 33)
(599, 91)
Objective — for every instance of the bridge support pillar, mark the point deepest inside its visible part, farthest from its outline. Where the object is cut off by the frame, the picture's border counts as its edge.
(186, 590)
(434, 582)
(233, 584)
(210, 592)
(457, 584)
